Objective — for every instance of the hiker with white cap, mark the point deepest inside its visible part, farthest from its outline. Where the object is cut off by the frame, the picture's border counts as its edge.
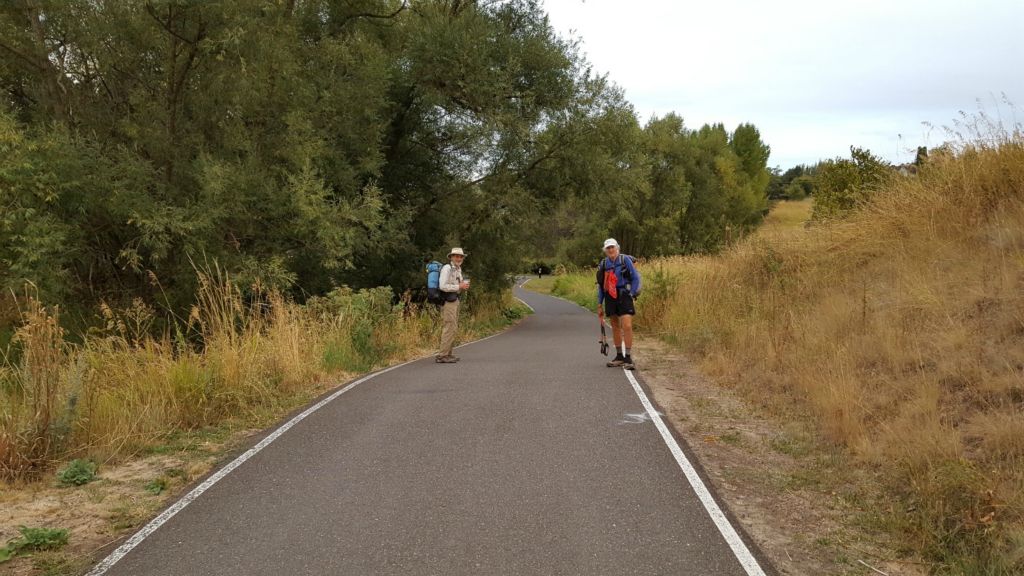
(451, 284)
(618, 285)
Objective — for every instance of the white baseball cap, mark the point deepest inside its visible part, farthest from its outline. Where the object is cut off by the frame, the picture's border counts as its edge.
(610, 242)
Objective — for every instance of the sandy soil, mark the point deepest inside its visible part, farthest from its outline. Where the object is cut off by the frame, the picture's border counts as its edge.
(122, 498)
(790, 495)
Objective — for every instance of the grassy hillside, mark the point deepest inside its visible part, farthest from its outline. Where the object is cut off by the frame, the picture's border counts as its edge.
(897, 332)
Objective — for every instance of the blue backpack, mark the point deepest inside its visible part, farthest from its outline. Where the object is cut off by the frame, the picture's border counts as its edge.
(434, 283)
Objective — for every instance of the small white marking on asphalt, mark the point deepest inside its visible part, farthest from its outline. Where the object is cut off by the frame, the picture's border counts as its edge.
(187, 499)
(638, 418)
(732, 538)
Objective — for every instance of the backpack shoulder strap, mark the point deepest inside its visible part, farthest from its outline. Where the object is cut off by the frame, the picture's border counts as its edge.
(625, 269)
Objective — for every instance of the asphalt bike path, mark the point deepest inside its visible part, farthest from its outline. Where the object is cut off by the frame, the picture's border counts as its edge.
(528, 456)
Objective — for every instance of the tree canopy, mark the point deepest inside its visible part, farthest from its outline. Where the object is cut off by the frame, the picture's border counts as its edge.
(309, 144)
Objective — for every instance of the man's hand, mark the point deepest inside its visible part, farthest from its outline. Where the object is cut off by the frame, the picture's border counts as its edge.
(600, 311)
(464, 285)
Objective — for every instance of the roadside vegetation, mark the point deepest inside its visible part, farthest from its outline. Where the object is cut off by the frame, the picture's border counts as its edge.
(34, 540)
(234, 359)
(893, 323)
(97, 432)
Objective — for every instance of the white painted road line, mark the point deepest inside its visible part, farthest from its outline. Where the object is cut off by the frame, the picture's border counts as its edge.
(187, 499)
(739, 548)
(521, 284)
(523, 302)
(732, 538)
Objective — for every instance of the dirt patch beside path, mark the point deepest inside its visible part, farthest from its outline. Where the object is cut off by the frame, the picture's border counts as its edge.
(793, 496)
(120, 500)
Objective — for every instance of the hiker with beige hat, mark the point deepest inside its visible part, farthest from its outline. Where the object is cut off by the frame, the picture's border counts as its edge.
(451, 284)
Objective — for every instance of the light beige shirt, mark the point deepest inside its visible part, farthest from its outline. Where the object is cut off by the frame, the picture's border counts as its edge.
(451, 277)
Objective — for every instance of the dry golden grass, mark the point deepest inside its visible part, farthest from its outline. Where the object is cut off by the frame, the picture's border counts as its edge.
(898, 332)
(236, 359)
(785, 216)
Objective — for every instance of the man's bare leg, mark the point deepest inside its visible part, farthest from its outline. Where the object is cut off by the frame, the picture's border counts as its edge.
(626, 323)
(617, 339)
(627, 332)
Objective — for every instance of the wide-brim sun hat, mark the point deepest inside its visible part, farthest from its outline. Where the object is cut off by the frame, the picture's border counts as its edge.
(611, 242)
(456, 252)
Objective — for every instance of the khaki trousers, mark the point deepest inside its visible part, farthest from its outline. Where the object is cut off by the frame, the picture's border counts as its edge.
(450, 318)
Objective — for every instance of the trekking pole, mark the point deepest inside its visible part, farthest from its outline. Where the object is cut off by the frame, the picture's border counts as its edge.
(604, 336)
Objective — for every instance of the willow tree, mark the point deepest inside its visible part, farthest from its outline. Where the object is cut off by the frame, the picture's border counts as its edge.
(303, 143)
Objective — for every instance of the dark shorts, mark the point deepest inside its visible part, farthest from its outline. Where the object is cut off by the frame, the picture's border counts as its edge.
(622, 306)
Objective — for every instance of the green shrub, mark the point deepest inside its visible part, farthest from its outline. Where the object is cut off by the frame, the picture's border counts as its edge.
(34, 539)
(799, 188)
(156, 486)
(843, 184)
(364, 314)
(513, 313)
(43, 538)
(77, 473)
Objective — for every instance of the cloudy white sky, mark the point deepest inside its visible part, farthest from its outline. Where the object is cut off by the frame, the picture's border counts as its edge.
(815, 76)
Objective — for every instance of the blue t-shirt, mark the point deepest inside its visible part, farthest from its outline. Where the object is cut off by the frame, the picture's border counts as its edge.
(623, 266)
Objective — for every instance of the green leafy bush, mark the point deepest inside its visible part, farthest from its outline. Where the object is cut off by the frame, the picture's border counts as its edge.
(513, 313)
(364, 317)
(156, 485)
(77, 473)
(843, 184)
(34, 539)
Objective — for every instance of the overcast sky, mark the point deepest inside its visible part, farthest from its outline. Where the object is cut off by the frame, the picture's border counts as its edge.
(814, 76)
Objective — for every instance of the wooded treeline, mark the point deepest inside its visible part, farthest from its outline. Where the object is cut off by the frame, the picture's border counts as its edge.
(309, 144)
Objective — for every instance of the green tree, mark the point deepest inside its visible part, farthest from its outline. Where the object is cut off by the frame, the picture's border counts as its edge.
(780, 184)
(801, 187)
(306, 144)
(660, 190)
(315, 143)
(842, 184)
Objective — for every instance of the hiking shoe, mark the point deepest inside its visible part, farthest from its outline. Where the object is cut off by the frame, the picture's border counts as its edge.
(628, 363)
(446, 359)
(616, 362)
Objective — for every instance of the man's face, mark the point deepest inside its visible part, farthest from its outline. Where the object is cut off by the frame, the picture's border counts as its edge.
(612, 252)
(458, 259)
